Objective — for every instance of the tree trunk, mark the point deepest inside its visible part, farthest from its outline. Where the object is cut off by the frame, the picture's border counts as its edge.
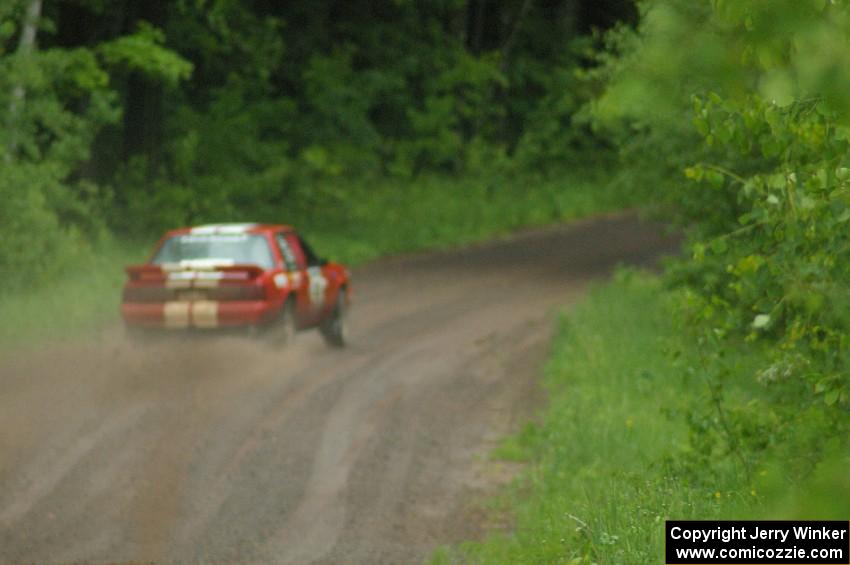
(26, 45)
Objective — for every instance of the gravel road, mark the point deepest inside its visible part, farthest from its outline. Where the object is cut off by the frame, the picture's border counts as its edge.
(221, 450)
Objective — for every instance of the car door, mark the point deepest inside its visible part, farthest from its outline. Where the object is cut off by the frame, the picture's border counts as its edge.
(311, 283)
(296, 270)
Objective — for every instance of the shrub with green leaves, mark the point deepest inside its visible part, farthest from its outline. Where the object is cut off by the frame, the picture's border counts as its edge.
(765, 195)
(781, 273)
(55, 103)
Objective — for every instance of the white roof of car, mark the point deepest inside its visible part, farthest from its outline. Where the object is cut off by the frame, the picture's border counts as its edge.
(222, 228)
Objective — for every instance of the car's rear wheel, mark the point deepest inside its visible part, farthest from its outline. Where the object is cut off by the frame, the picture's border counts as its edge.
(334, 328)
(282, 331)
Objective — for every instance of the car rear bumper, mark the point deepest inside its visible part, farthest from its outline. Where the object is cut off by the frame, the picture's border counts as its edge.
(198, 314)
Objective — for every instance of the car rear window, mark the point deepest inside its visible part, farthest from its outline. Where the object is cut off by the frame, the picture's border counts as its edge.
(249, 249)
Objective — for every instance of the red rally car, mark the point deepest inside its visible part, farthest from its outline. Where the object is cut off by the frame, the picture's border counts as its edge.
(238, 275)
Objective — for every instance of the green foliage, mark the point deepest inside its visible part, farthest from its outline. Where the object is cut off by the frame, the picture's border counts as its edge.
(31, 230)
(275, 119)
(47, 126)
(343, 138)
(558, 128)
(778, 275)
(223, 163)
(226, 41)
(761, 138)
(143, 51)
(44, 137)
(58, 101)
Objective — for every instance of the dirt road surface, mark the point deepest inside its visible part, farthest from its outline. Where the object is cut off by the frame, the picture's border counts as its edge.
(221, 450)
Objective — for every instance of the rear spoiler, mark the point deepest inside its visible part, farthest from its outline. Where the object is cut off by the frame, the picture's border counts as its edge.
(154, 273)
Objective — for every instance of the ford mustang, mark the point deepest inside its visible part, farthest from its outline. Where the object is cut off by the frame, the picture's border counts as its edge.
(259, 276)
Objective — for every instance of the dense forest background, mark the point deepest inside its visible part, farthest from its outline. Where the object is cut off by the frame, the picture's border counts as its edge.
(131, 117)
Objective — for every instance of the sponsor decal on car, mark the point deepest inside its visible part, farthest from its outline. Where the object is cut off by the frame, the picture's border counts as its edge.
(318, 284)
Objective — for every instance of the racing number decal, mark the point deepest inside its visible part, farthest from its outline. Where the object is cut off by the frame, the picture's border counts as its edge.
(318, 284)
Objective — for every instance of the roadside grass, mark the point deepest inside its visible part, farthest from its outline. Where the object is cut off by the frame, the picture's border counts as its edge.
(615, 454)
(437, 212)
(354, 224)
(83, 299)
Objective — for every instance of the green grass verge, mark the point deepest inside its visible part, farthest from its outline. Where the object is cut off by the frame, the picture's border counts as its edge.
(353, 224)
(619, 448)
(83, 299)
(435, 212)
